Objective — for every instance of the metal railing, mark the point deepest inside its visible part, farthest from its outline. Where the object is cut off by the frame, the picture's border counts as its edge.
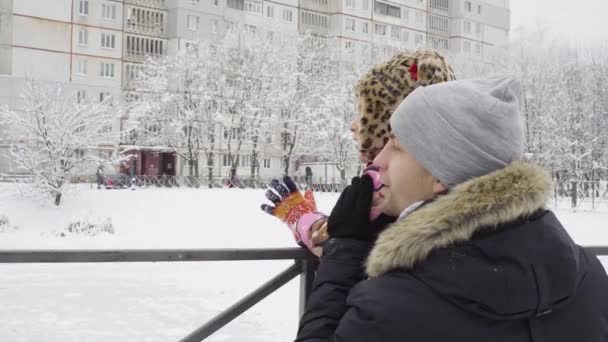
(305, 265)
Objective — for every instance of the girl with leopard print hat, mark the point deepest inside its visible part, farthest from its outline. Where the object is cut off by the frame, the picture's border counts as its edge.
(378, 93)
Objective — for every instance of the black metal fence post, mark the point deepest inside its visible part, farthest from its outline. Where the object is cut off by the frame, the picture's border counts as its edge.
(574, 194)
(309, 267)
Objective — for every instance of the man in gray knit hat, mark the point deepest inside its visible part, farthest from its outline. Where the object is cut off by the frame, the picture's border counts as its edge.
(474, 256)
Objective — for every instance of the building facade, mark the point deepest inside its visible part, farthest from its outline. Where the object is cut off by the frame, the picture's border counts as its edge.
(97, 47)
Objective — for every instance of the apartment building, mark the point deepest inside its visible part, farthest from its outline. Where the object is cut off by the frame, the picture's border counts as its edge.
(479, 28)
(97, 47)
(77, 43)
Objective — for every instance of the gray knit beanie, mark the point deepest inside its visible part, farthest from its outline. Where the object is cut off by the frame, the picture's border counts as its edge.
(464, 129)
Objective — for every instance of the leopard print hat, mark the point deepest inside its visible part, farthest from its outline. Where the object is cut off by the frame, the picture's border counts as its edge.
(385, 85)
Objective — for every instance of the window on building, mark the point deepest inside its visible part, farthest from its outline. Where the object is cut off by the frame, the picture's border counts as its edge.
(438, 43)
(106, 70)
(405, 14)
(216, 3)
(230, 26)
(443, 5)
(266, 163)
(105, 96)
(79, 153)
(350, 4)
(419, 39)
(108, 11)
(287, 15)
(270, 11)
(395, 32)
(380, 29)
(478, 48)
(270, 35)
(477, 28)
(314, 19)
(82, 67)
(405, 35)
(236, 4)
(350, 25)
(214, 25)
(467, 27)
(250, 28)
(245, 161)
(479, 9)
(195, 1)
(108, 40)
(254, 7)
(83, 37)
(386, 9)
(81, 96)
(419, 18)
(193, 22)
(348, 45)
(466, 47)
(225, 160)
(105, 155)
(438, 23)
(84, 7)
(365, 4)
(468, 6)
(365, 28)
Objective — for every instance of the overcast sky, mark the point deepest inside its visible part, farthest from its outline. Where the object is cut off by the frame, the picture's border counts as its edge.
(575, 20)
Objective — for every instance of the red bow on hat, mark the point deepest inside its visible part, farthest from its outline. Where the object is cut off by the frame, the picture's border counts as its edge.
(414, 71)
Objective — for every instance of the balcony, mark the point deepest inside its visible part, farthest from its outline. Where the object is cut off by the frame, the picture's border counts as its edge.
(145, 21)
(315, 5)
(160, 4)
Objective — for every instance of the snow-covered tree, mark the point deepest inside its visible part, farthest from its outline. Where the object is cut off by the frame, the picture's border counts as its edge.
(300, 86)
(52, 132)
(179, 106)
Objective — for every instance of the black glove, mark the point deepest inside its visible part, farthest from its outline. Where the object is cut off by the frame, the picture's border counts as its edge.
(350, 216)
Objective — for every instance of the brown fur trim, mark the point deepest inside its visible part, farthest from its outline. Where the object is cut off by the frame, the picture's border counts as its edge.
(485, 202)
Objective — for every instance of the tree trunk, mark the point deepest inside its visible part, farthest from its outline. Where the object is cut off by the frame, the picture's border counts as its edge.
(254, 163)
(196, 173)
(286, 159)
(210, 169)
(190, 172)
(57, 198)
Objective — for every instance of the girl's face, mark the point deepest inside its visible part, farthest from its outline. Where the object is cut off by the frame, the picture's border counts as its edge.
(355, 126)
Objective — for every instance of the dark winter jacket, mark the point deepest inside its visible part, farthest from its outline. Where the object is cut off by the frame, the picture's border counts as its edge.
(483, 263)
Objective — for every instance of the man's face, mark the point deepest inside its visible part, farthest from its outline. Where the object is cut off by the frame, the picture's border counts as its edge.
(405, 180)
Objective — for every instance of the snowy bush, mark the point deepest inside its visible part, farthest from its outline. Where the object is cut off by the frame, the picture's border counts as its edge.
(88, 227)
(5, 225)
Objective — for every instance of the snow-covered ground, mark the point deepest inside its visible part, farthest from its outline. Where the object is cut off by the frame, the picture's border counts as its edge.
(161, 301)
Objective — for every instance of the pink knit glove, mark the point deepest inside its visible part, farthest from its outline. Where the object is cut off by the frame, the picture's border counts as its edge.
(298, 211)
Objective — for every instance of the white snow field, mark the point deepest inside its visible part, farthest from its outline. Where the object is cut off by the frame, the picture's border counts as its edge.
(144, 302)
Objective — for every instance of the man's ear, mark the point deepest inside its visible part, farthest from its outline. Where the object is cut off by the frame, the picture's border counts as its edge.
(439, 188)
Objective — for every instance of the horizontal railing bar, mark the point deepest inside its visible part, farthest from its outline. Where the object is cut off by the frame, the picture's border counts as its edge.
(597, 250)
(151, 255)
(244, 304)
(171, 255)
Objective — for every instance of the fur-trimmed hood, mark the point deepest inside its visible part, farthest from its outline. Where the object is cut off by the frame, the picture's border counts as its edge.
(489, 247)
(482, 203)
